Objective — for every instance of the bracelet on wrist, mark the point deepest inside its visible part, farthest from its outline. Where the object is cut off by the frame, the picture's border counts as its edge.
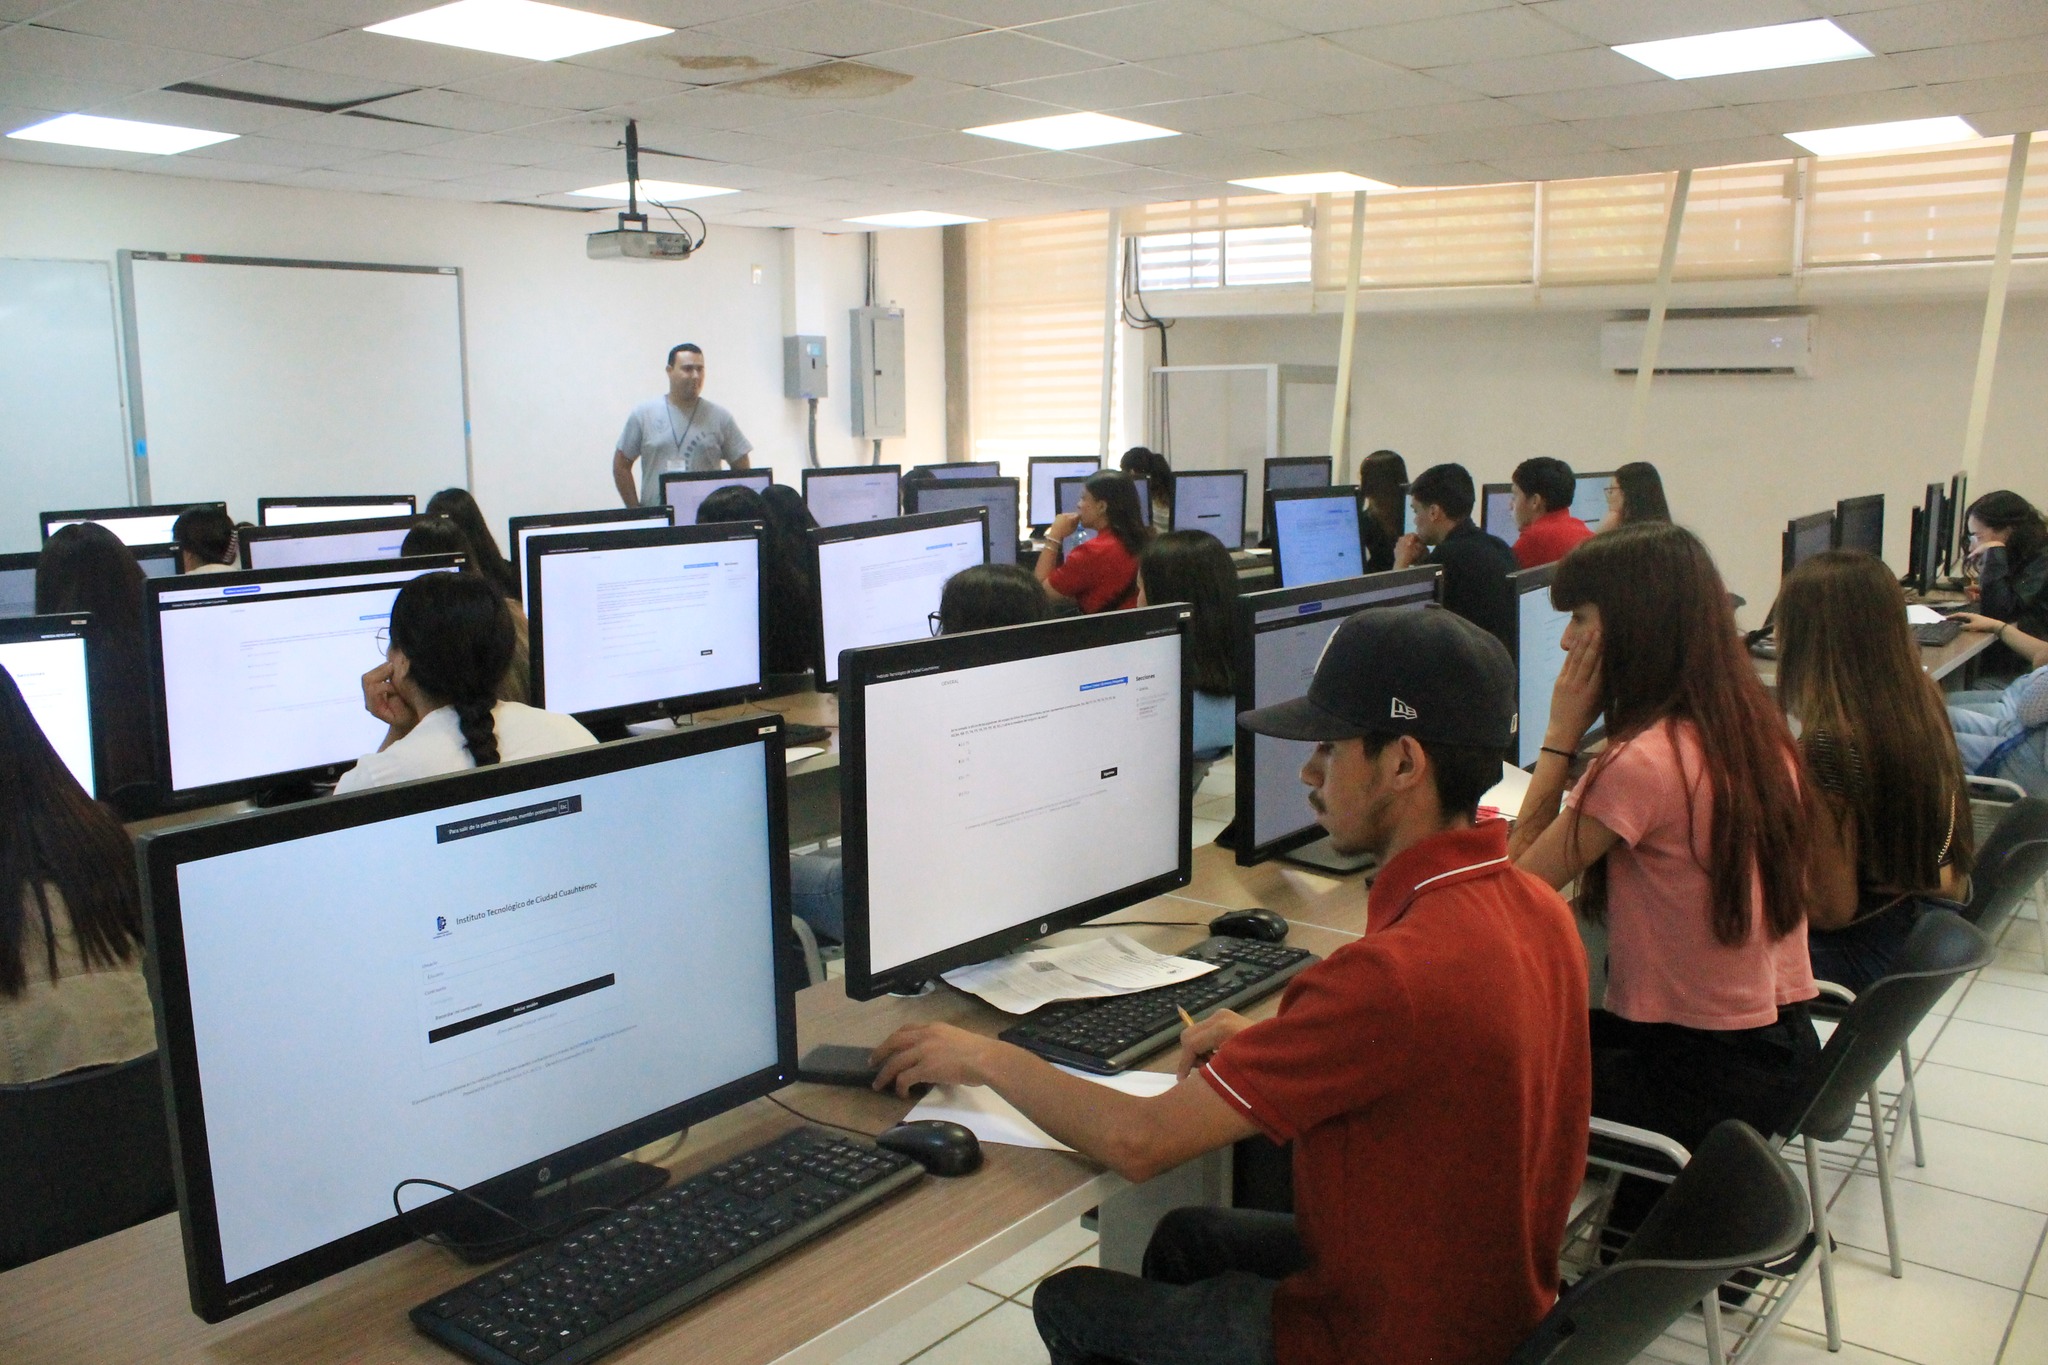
(1566, 754)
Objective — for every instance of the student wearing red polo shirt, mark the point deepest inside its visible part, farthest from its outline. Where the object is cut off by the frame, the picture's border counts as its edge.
(1437, 1145)
(1541, 496)
(1102, 572)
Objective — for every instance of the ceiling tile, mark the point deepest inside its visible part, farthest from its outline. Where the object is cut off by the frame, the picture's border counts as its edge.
(1613, 101)
(1800, 82)
(371, 134)
(1338, 16)
(1995, 92)
(57, 154)
(295, 83)
(50, 52)
(695, 56)
(557, 85)
(1535, 139)
(246, 172)
(943, 149)
(1734, 152)
(1111, 87)
(1445, 118)
(1011, 13)
(414, 166)
(1311, 135)
(1643, 21)
(972, 109)
(213, 26)
(1451, 173)
(1457, 40)
(1974, 61)
(1164, 28)
(503, 149)
(452, 109)
(1054, 166)
(1222, 115)
(1276, 68)
(198, 111)
(841, 28)
(679, 146)
(2003, 122)
(1553, 71)
(1945, 22)
(1383, 87)
(1582, 166)
(353, 182)
(517, 182)
(278, 151)
(1664, 130)
(833, 128)
(62, 94)
(395, 61)
(1842, 111)
(990, 59)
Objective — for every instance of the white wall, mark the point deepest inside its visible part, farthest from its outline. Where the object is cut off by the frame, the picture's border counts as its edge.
(559, 347)
(1739, 454)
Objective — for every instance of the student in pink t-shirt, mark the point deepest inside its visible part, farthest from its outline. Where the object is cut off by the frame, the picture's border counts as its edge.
(1686, 834)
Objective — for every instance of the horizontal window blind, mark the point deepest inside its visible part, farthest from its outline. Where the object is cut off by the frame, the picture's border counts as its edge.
(1212, 215)
(1739, 223)
(1473, 234)
(1934, 205)
(1036, 291)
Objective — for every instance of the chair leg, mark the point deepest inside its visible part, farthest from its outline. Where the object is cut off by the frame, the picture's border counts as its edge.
(1820, 1245)
(1882, 1148)
(2041, 925)
(1909, 1100)
(1710, 1318)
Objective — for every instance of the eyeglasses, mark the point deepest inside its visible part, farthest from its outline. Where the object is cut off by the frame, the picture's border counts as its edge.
(931, 619)
(383, 642)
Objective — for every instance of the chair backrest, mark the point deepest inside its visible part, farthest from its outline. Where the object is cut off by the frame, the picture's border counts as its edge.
(2011, 861)
(1735, 1205)
(82, 1155)
(1941, 948)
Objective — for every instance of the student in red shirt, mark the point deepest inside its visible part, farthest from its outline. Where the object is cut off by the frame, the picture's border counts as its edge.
(1102, 572)
(1439, 1124)
(1541, 496)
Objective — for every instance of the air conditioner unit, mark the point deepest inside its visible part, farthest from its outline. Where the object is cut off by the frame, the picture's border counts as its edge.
(1747, 344)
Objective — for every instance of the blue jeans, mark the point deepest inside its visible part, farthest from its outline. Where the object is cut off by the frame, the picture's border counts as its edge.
(1860, 952)
(1206, 1297)
(816, 896)
(1984, 720)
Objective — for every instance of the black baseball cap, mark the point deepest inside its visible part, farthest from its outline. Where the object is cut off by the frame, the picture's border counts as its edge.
(1424, 672)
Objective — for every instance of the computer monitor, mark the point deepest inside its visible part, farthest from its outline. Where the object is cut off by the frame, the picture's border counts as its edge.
(49, 659)
(298, 511)
(496, 979)
(1211, 500)
(139, 528)
(855, 493)
(1280, 637)
(1953, 519)
(685, 492)
(961, 469)
(1806, 537)
(1539, 658)
(258, 675)
(880, 581)
(324, 542)
(1933, 516)
(1044, 470)
(1002, 785)
(1859, 524)
(160, 566)
(1297, 471)
(18, 584)
(548, 523)
(999, 496)
(1316, 534)
(634, 625)
(1589, 499)
(1496, 511)
(1959, 523)
(1067, 494)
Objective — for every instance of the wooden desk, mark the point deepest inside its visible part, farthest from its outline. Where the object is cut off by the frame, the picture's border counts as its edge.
(122, 1298)
(1940, 663)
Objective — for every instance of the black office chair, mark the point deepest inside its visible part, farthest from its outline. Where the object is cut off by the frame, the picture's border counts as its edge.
(2009, 866)
(82, 1155)
(1735, 1206)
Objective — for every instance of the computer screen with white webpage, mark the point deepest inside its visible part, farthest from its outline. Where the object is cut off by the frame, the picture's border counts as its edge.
(1497, 511)
(633, 625)
(1281, 634)
(1539, 658)
(160, 566)
(1316, 535)
(520, 529)
(1589, 498)
(324, 542)
(999, 496)
(1298, 471)
(18, 585)
(1001, 785)
(964, 469)
(685, 492)
(135, 526)
(46, 657)
(861, 493)
(879, 582)
(1044, 470)
(299, 511)
(260, 673)
(492, 980)
(1212, 501)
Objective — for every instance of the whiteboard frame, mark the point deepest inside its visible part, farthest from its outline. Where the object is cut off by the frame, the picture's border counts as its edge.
(131, 357)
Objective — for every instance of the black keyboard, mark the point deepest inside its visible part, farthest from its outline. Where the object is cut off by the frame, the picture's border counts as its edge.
(1935, 634)
(611, 1280)
(1107, 1035)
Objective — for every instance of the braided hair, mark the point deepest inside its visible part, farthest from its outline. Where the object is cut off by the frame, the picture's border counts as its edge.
(456, 633)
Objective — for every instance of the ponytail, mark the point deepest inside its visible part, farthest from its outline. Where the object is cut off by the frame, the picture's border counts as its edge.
(456, 633)
(479, 731)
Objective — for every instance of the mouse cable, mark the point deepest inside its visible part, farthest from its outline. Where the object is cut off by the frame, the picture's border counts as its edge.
(822, 1123)
(487, 1245)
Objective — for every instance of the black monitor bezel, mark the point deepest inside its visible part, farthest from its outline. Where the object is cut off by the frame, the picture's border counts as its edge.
(263, 505)
(840, 471)
(1243, 494)
(540, 521)
(1957, 503)
(1791, 537)
(979, 649)
(159, 854)
(69, 625)
(1847, 506)
(1267, 466)
(916, 491)
(672, 476)
(159, 701)
(1486, 492)
(1279, 495)
(825, 669)
(1245, 641)
(995, 466)
(1144, 495)
(657, 708)
(312, 530)
(155, 549)
(1031, 478)
(1933, 510)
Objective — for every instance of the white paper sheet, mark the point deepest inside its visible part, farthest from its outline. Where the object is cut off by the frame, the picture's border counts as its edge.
(800, 753)
(1917, 615)
(992, 1118)
(1111, 965)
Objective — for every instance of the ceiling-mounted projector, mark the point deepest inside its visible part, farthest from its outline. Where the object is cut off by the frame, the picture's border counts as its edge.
(632, 239)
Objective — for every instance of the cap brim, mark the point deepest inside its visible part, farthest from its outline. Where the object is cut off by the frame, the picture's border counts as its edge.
(1299, 719)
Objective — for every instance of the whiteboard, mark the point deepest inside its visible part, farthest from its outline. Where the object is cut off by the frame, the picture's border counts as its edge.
(63, 436)
(252, 378)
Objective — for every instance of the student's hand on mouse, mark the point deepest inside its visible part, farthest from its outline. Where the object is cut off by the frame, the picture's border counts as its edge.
(382, 700)
(1969, 620)
(1408, 551)
(1197, 1044)
(1063, 525)
(1575, 700)
(932, 1054)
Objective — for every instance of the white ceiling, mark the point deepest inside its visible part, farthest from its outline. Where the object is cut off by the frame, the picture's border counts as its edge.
(1408, 91)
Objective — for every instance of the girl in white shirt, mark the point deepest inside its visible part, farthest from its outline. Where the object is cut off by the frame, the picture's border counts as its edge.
(451, 640)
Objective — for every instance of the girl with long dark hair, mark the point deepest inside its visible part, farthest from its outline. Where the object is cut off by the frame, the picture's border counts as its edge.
(1102, 572)
(1142, 462)
(2009, 542)
(458, 506)
(443, 535)
(1382, 491)
(84, 567)
(1193, 567)
(1635, 494)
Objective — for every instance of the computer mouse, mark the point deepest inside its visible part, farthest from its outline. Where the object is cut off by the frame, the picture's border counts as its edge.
(940, 1147)
(1263, 925)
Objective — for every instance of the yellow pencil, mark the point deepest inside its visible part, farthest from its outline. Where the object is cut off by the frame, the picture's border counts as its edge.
(1185, 1017)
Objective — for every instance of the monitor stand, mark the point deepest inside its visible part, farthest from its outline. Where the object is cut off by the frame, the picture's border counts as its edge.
(477, 1235)
(291, 793)
(1323, 857)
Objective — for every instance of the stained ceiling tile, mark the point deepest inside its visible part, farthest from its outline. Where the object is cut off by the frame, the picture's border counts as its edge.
(1163, 28)
(695, 56)
(1457, 40)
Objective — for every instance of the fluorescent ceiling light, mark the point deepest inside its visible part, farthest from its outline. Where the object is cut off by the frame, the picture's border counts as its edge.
(916, 218)
(120, 134)
(652, 192)
(1746, 49)
(1315, 182)
(1885, 137)
(1067, 132)
(518, 28)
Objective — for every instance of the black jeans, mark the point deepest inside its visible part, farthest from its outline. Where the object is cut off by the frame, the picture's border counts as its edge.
(1206, 1297)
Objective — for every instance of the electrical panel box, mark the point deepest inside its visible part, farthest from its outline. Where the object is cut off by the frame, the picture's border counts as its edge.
(879, 406)
(803, 367)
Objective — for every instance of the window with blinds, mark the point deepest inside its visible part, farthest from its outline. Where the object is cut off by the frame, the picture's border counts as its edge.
(1738, 225)
(1941, 204)
(1036, 292)
(1473, 234)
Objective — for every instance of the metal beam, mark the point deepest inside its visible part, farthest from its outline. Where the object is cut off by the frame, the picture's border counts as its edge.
(1653, 334)
(1340, 412)
(1994, 305)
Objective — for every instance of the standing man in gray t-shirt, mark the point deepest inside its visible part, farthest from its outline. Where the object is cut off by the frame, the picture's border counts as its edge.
(681, 430)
